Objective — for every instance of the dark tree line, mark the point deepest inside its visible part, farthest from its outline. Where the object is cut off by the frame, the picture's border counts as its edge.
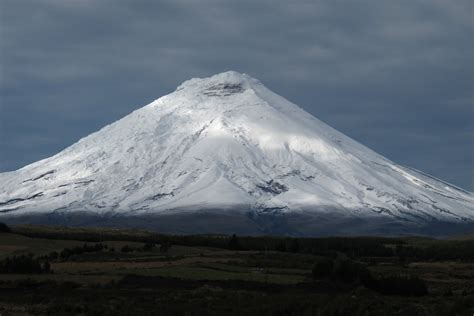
(67, 253)
(24, 264)
(343, 269)
(164, 247)
(354, 247)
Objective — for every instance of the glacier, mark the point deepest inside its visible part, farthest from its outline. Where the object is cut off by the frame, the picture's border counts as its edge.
(225, 154)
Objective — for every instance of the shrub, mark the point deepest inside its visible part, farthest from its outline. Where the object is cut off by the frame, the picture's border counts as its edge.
(165, 246)
(322, 269)
(126, 248)
(234, 243)
(348, 271)
(399, 285)
(148, 246)
(294, 245)
(54, 255)
(46, 267)
(4, 228)
(340, 269)
(23, 264)
(280, 246)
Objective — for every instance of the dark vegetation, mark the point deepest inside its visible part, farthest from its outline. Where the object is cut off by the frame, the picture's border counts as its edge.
(70, 253)
(4, 228)
(351, 246)
(115, 272)
(24, 264)
(341, 269)
(398, 285)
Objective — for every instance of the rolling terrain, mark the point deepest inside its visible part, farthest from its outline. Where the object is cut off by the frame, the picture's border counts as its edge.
(129, 272)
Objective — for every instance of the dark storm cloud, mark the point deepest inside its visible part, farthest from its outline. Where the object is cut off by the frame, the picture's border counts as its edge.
(397, 76)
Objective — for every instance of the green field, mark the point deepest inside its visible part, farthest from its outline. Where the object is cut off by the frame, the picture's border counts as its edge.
(140, 273)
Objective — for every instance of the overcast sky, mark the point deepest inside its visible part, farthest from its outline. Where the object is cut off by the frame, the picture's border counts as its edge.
(397, 76)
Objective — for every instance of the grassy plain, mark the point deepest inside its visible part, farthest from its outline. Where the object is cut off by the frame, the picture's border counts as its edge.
(208, 275)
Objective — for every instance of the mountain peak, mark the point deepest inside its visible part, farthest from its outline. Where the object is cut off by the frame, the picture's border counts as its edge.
(228, 147)
(222, 84)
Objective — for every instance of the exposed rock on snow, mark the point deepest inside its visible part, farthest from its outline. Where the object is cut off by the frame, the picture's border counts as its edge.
(228, 144)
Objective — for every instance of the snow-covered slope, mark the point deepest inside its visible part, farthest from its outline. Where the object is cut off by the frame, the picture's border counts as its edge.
(228, 144)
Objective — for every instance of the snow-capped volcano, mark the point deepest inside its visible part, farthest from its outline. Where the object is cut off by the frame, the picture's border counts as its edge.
(228, 147)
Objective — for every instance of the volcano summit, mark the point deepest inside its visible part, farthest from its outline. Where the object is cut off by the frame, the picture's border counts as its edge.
(225, 154)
